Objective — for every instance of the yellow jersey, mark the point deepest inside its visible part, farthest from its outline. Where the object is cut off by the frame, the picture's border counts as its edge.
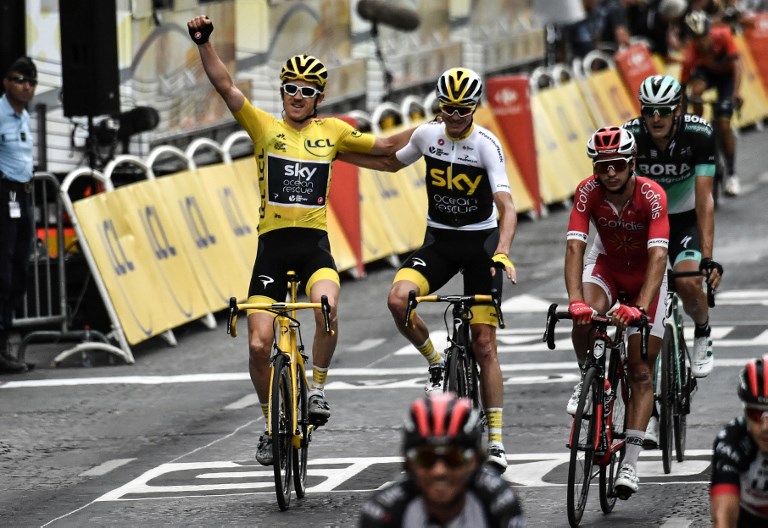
(294, 166)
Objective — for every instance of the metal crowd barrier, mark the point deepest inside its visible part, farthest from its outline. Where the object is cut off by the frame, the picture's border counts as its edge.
(45, 305)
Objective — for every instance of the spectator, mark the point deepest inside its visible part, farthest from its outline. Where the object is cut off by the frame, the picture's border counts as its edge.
(16, 214)
(445, 483)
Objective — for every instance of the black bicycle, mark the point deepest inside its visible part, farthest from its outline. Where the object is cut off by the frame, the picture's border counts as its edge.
(675, 390)
(461, 370)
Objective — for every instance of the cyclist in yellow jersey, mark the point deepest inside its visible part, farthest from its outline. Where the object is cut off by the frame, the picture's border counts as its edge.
(294, 156)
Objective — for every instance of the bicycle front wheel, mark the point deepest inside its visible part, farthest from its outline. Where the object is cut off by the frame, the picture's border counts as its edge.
(620, 397)
(282, 429)
(683, 407)
(582, 445)
(668, 398)
(301, 452)
(457, 372)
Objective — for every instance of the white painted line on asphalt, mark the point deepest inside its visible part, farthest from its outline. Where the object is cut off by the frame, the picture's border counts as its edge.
(566, 366)
(675, 522)
(106, 467)
(366, 344)
(527, 469)
(242, 403)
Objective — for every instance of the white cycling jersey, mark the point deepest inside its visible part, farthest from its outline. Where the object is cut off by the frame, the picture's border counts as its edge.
(462, 175)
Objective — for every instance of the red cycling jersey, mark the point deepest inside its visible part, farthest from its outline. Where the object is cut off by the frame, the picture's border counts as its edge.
(626, 234)
(719, 59)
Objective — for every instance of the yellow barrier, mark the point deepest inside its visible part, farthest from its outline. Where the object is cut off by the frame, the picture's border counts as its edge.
(552, 157)
(752, 90)
(613, 102)
(341, 250)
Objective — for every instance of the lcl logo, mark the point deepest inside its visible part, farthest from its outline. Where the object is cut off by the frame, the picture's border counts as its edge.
(506, 97)
(636, 58)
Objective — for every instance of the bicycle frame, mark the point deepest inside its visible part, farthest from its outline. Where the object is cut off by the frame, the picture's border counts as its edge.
(459, 338)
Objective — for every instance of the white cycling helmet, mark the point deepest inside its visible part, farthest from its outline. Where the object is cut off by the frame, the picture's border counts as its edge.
(669, 9)
(611, 142)
(697, 23)
(660, 90)
(459, 86)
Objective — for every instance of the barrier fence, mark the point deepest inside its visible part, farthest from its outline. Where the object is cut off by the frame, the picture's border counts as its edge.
(173, 249)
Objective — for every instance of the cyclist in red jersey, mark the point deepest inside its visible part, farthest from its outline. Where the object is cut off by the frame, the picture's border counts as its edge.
(739, 488)
(711, 60)
(628, 257)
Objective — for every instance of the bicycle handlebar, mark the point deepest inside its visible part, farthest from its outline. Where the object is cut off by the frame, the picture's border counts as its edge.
(553, 316)
(672, 275)
(277, 308)
(494, 298)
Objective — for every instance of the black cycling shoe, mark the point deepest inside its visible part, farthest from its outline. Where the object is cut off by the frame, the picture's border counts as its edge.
(319, 411)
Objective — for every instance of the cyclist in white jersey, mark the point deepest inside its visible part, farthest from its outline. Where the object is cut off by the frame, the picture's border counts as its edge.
(471, 222)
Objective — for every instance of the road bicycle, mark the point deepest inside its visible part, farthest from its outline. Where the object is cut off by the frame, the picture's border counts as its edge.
(287, 415)
(597, 433)
(461, 371)
(674, 385)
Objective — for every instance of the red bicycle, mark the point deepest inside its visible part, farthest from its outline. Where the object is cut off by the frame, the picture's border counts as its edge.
(596, 440)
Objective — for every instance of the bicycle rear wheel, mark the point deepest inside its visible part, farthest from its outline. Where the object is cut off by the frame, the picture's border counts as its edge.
(301, 453)
(680, 421)
(457, 372)
(668, 398)
(582, 445)
(282, 432)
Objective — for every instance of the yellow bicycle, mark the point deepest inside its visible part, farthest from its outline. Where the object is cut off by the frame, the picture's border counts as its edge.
(288, 417)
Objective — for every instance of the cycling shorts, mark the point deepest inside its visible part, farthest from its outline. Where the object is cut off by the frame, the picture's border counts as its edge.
(684, 240)
(723, 83)
(445, 253)
(628, 284)
(303, 250)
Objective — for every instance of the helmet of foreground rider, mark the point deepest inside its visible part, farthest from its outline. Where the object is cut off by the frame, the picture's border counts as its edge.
(611, 142)
(753, 382)
(697, 23)
(442, 419)
(305, 68)
(459, 86)
(660, 90)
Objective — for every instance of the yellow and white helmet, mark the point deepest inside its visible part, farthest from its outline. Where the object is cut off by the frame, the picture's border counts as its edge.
(305, 68)
(459, 86)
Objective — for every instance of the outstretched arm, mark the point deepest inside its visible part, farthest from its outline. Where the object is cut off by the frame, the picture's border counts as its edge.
(199, 29)
(507, 226)
(382, 156)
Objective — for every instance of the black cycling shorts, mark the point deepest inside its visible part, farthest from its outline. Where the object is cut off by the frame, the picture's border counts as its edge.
(684, 240)
(302, 250)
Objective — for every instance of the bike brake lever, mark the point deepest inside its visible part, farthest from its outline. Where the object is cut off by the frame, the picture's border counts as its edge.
(497, 304)
(232, 319)
(549, 332)
(411, 305)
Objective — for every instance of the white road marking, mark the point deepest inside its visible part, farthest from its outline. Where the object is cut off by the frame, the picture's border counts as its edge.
(106, 467)
(366, 344)
(242, 403)
(530, 470)
(566, 366)
(675, 522)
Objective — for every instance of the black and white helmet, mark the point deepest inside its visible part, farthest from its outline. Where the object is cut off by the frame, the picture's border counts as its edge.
(660, 90)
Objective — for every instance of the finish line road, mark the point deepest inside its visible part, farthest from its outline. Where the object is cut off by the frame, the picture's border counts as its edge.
(170, 441)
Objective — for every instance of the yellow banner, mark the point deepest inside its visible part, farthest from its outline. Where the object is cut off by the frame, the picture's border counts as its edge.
(611, 98)
(340, 249)
(755, 106)
(552, 157)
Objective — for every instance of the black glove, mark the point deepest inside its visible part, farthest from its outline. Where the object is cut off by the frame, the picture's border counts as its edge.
(707, 265)
(200, 36)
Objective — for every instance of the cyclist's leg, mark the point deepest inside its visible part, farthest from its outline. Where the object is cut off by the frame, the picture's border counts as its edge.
(266, 285)
(685, 255)
(318, 272)
(722, 119)
(640, 377)
(425, 271)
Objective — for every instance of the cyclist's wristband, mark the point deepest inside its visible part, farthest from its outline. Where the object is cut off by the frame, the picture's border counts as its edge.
(201, 35)
(501, 258)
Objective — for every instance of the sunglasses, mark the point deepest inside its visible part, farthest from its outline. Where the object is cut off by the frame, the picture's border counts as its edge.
(663, 111)
(427, 457)
(307, 92)
(461, 111)
(18, 79)
(756, 414)
(604, 166)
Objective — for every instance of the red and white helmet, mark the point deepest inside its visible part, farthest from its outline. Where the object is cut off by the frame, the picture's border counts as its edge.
(753, 382)
(611, 142)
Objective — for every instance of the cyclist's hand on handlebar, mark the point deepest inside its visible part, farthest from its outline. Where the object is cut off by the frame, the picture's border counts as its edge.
(581, 312)
(712, 270)
(500, 260)
(625, 315)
